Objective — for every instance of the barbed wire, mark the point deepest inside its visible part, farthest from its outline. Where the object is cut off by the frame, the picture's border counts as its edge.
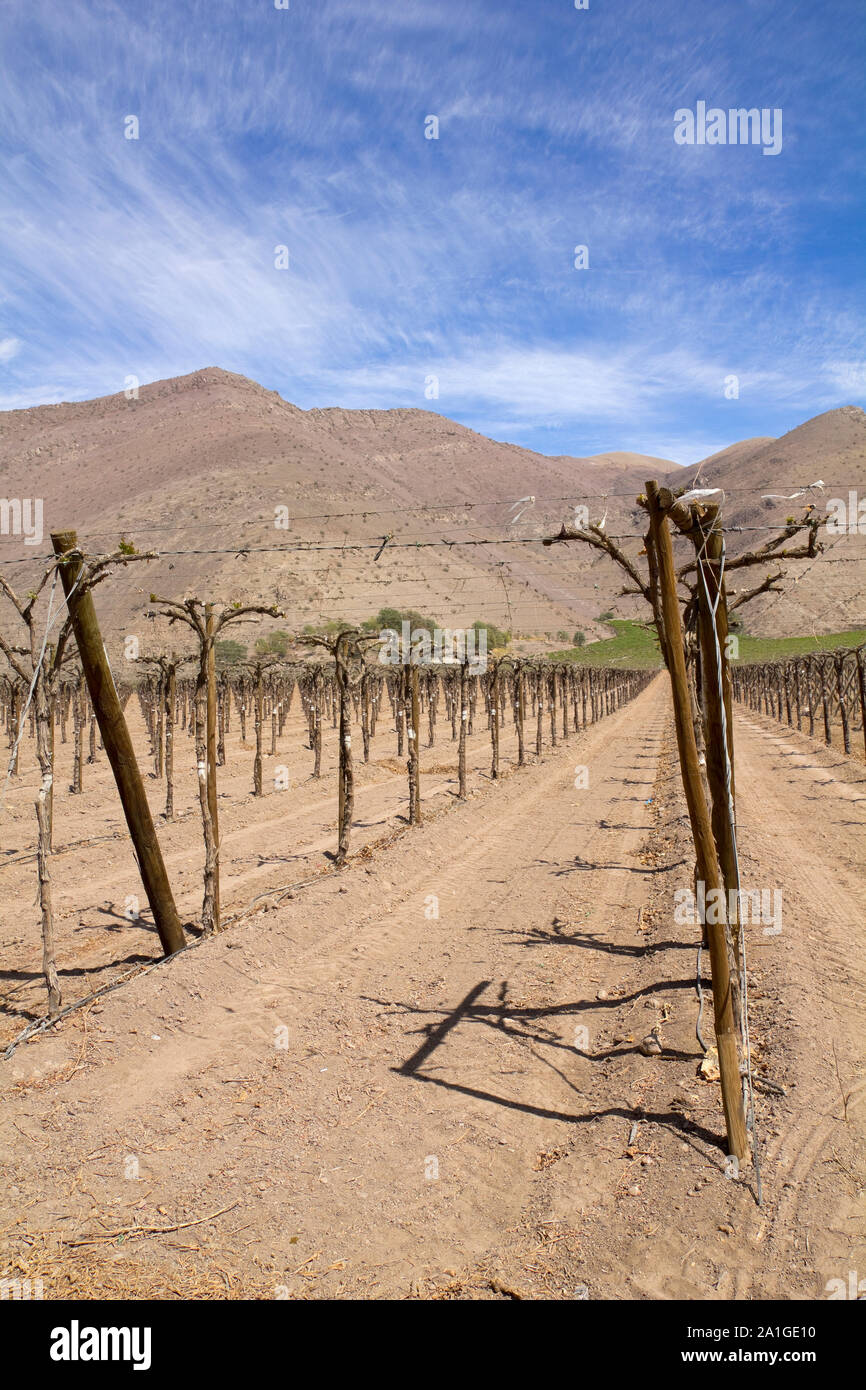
(302, 547)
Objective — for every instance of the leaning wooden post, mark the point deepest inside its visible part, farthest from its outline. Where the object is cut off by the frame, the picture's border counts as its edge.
(702, 831)
(118, 744)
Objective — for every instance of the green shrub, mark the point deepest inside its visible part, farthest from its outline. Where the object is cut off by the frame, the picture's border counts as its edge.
(228, 652)
(275, 644)
(495, 635)
(394, 619)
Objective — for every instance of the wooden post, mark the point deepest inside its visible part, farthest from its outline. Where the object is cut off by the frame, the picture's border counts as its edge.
(16, 725)
(825, 700)
(258, 716)
(520, 713)
(416, 726)
(50, 799)
(493, 691)
(365, 714)
(413, 729)
(346, 779)
(786, 681)
(42, 708)
(78, 715)
(839, 663)
(708, 870)
(224, 704)
(170, 692)
(159, 750)
(717, 701)
(861, 681)
(464, 720)
(118, 746)
(209, 919)
(211, 741)
(431, 694)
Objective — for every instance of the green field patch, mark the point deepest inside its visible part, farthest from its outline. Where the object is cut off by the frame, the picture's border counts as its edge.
(636, 646)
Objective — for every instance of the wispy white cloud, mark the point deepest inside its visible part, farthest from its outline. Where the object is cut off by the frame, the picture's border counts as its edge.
(410, 257)
(9, 348)
(626, 395)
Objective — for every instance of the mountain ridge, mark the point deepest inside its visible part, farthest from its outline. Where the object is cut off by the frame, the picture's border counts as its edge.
(199, 464)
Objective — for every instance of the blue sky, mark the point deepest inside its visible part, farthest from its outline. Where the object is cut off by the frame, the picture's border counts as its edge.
(411, 257)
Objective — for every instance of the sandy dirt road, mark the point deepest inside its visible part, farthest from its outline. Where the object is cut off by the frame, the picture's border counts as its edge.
(423, 1076)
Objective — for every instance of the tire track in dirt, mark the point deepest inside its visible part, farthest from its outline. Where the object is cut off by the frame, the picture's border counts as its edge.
(451, 1041)
(264, 842)
(805, 828)
(331, 968)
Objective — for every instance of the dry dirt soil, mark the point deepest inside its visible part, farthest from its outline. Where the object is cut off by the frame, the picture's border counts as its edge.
(422, 1076)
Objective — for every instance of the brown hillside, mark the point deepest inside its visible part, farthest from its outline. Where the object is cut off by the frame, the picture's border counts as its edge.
(198, 464)
(829, 594)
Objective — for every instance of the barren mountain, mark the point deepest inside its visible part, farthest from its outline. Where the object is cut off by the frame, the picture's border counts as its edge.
(198, 468)
(758, 477)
